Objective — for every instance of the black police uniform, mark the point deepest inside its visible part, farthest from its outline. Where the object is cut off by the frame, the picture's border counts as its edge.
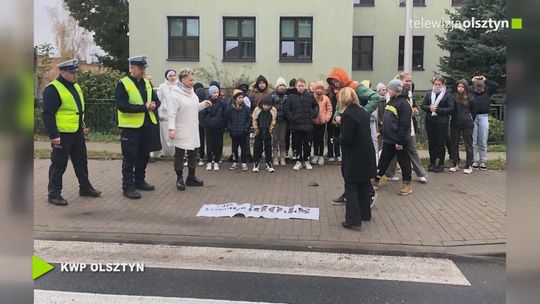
(137, 143)
(72, 145)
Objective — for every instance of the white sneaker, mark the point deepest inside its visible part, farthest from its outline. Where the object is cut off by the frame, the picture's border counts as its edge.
(331, 159)
(201, 163)
(297, 166)
(454, 168)
(209, 166)
(276, 162)
(372, 200)
(234, 166)
(422, 179)
(308, 165)
(320, 162)
(339, 158)
(256, 167)
(216, 167)
(394, 178)
(314, 160)
(467, 170)
(269, 168)
(244, 167)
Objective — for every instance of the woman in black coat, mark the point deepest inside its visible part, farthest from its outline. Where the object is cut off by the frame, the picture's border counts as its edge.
(358, 165)
(461, 125)
(438, 105)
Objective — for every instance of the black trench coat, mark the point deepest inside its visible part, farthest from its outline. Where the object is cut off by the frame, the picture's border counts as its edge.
(358, 163)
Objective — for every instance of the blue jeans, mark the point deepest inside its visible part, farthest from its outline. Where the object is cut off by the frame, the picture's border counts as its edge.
(480, 137)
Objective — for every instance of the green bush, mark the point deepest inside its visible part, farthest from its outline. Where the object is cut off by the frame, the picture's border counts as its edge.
(38, 123)
(99, 85)
(496, 131)
(100, 111)
(499, 98)
(101, 116)
(44, 53)
(218, 72)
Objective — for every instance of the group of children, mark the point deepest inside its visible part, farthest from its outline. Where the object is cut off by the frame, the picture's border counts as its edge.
(379, 128)
(309, 114)
(271, 117)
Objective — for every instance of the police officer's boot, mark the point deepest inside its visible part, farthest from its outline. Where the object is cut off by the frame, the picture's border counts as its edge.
(144, 186)
(180, 181)
(58, 200)
(89, 192)
(132, 194)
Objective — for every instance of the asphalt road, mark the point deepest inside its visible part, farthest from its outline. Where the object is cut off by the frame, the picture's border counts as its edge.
(484, 283)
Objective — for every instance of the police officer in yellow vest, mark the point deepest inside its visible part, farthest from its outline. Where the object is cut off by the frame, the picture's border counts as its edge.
(63, 116)
(136, 102)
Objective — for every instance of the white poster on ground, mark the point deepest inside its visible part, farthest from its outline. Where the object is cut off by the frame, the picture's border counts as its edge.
(266, 211)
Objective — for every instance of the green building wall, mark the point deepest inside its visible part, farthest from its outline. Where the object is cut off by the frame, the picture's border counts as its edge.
(334, 24)
(386, 22)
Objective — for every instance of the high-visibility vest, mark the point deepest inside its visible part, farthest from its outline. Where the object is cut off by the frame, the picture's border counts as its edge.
(25, 104)
(135, 120)
(67, 116)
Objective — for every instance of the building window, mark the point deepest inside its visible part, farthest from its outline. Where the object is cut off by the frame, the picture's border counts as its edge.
(238, 39)
(362, 53)
(183, 38)
(417, 56)
(364, 2)
(457, 2)
(296, 39)
(415, 3)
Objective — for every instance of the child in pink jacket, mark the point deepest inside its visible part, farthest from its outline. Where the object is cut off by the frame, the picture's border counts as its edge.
(325, 114)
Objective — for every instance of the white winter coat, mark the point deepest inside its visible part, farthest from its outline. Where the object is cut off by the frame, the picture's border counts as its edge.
(183, 116)
(163, 91)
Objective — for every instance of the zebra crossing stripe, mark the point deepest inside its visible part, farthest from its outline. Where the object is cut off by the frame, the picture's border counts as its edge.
(62, 297)
(357, 266)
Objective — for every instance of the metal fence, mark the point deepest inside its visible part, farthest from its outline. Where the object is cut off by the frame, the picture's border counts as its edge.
(498, 111)
(497, 132)
(101, 117)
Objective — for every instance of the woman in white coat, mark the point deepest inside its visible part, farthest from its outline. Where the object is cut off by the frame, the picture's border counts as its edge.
(163, 91)
(183, 123)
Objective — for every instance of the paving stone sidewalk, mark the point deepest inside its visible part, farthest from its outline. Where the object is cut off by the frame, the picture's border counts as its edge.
(452, 212)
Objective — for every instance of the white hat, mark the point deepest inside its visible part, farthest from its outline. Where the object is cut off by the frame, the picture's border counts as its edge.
(138, 60)
(70, 65)
(281, 81)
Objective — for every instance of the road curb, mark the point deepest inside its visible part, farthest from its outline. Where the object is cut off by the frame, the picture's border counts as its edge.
(480, 251)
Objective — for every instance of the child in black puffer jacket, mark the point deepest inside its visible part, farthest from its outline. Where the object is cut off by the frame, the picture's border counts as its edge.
(238, 124)
(300, 110)
(215, 121)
